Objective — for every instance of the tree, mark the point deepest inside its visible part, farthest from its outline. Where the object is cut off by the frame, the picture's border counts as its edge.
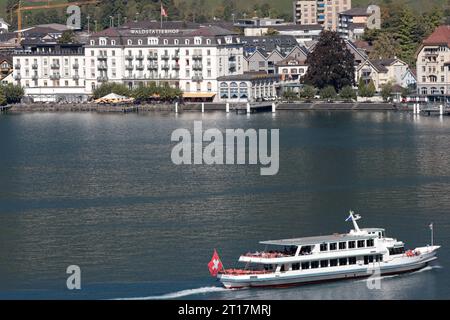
(112, 87)
(323, 68)
(308, 92)
(12, 93)
(271, 32)
(68, 36)
(290, 95)
(366, 90)
(2, 99)
(386, 91)
(328, 93)
(347, 93)
(385, 47)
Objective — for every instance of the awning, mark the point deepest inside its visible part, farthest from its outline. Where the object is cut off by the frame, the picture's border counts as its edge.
(198, 95)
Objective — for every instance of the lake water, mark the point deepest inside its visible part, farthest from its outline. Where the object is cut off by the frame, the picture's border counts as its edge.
(100, 191)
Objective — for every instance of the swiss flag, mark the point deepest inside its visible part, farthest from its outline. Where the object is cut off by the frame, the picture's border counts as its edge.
(215, 265)
(163, 11)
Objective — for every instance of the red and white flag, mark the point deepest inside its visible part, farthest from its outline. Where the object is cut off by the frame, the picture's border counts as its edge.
(215, 265)
(163, 11)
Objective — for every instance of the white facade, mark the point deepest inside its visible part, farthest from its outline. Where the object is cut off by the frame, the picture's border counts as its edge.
(191, 61)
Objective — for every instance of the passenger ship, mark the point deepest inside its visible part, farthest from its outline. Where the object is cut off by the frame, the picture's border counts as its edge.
(359, 253)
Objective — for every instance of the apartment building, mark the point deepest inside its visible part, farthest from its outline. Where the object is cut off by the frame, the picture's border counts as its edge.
(433, 64)
(323, 12)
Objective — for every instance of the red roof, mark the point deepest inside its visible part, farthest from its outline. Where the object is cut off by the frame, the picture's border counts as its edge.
(440, 36)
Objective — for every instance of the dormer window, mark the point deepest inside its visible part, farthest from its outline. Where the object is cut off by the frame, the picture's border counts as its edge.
(197, 40)
(139, 42)
(102, 41)
(208, 41)
(166, 41)
(186, 41)
(113, 42)
(92, 42)
(176, 41)
(129, 42)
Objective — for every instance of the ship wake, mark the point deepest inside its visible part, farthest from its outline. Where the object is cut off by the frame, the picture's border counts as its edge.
(180, 294)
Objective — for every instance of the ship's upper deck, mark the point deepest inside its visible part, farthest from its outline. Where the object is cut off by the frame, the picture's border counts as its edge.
(320, 239)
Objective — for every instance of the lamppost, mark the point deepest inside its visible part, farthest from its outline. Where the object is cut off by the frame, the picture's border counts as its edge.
(111, 21)
(233, 17)
(88, 23)
(137, 16)
(95, 22)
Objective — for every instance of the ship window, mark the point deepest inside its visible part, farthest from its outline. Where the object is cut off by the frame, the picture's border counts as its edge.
(351, 244)
(342, 245)
(366, 260)
(361, 243)
(370, 259)
(394, 251)
(323, 263)
(305, 265)
(343, 261)
(352, 260)
(333, 262)
(333, 246)
(369, 243)
(295, 266)
(314, 264)
(323, 247)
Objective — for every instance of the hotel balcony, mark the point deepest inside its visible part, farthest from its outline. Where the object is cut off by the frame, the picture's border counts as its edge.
(55, 66)
(129, 67)
(128, 57)
(152, 67)
(17, 77)
(197, 77)
(55, 76)
(102, 56)
(139, 57)
(152, 57)
(197, 66)
(34, 77)
(17, 66)
(197, 56)
(34, 66)
(176, 56)
(102, 67)
(165, 56)
(140, 67)
(76, 77)
(165, 67)
(176, 67)
(102, 78)
(75, 66)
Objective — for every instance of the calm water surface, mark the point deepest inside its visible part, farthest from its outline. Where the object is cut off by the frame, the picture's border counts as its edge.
(101, 192)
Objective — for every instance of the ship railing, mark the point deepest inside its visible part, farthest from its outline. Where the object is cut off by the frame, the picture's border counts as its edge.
(268, 255)
(237, 272)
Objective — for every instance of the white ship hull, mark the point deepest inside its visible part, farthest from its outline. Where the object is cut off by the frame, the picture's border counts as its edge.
(289, 278)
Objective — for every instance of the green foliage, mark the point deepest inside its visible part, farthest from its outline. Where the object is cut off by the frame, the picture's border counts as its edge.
(111, 87)
(347, 93)
(328, 93)
(290, 95)
(2, 99)
(323, 70)
(271, 32)
(152, 91)
(386, 91)
(308, 92)
(385, 47)
(12, 93)
(68, 36)
(366, 90)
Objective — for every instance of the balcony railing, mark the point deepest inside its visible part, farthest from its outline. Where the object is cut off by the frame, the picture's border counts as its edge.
(164, 56)
(102, 67)
(140, 67)
(17, 77)
(197, 66)
(197, 56)
(152, 67)
(128, 57)
(176, 56)
(76, 77)
(176, 67)
(165, 67)
(75, 66)
(139, 57)
(55, 76)
(35, 77)
(17, 66)
(34, 66)
(129, 67)
(152, 57)
(102, 56)
(55, 66)
(197, 78)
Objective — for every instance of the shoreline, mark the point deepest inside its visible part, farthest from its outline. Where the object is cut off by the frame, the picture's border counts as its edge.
(102, 108)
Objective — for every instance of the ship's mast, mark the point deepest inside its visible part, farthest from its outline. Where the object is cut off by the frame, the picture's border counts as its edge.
(354, 218)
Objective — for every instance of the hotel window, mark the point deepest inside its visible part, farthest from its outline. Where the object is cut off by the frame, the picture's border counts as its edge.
(208, 61)
(223, 90)
(442, 79)
(323, 263)
(314, 264)
(66, 83)
(333, 262)
(243, 90)
(233, 90)
(45, 83)
(369, 243)
(333, 246)
(113, 42)
(305, 265)
(129, 42)
(188, 87)
(92, 53)
(343, 261)
(199, 87)
(209, 73)
(323, 247)
(209, 86)
(188, 73)
(351, 244)
(342, 245)
(360, 243)
(352, 260)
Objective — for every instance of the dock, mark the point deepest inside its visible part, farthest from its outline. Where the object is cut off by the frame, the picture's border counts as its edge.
(4, 108)
(254, 107)
(433, 110)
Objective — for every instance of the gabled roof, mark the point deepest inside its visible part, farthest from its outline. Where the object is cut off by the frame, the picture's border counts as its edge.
(211, 31)
(440, 36)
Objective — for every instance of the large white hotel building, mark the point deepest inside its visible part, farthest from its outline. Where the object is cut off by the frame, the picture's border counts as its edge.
(190, 58)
